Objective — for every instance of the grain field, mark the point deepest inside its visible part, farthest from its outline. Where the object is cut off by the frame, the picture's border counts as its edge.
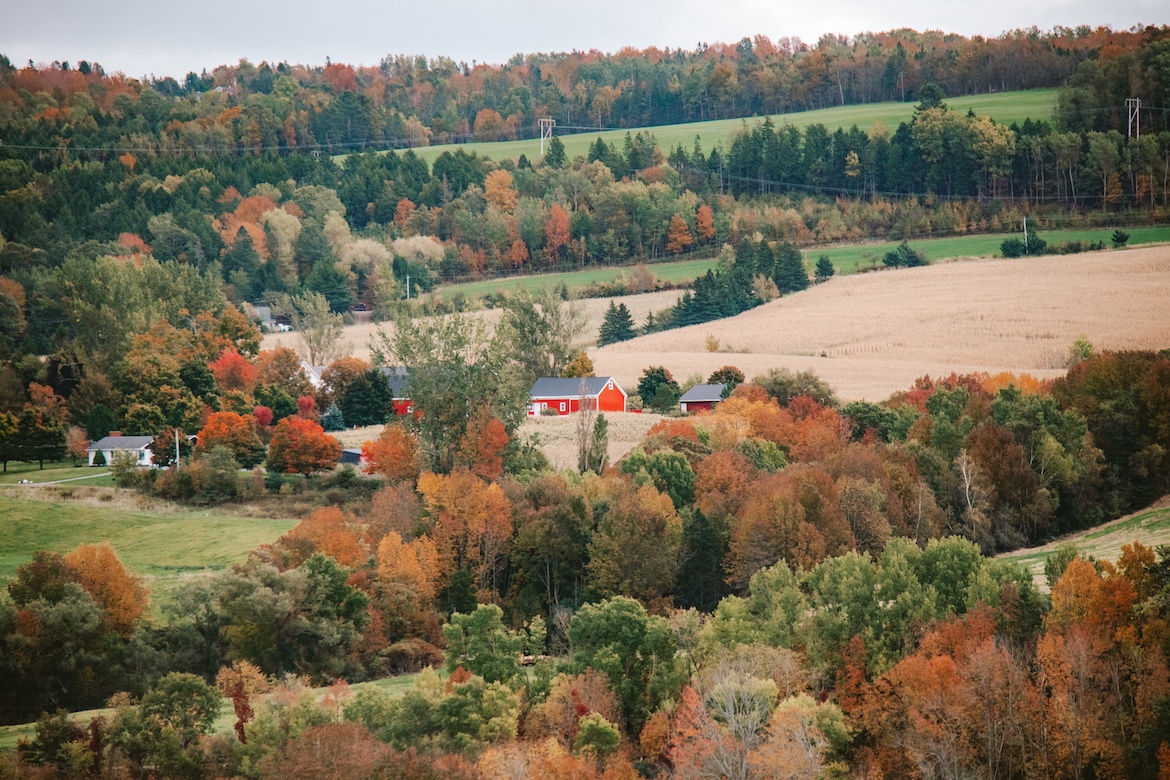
(870, 335)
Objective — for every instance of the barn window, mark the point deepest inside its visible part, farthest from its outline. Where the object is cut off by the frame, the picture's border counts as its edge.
(562, 406)
(610, 385)
(543, 405)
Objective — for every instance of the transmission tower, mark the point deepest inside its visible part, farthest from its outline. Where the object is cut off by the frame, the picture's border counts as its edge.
(1133, 107)
(546, 131)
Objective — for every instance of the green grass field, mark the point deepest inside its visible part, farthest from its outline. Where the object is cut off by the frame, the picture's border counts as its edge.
(847, 258)
(1150, 527)
(1005, 107)
(159, 546)
(52, 472)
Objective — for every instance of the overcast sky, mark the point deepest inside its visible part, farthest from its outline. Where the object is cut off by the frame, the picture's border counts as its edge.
(168, 38)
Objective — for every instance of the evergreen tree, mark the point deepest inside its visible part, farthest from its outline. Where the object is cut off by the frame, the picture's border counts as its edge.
(312, 249)
(328, 281)
(904, 257)
(789, 274)
(100, 422)
(367, 400)
(333, 420)
(617, 325)
(700, 580)
(825, 269)
(242, 256)
(555, 156)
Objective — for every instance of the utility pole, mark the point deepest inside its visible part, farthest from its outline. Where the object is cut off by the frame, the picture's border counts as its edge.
(1025, 234)
(408, 287)
(176, 447)
(1133, 107)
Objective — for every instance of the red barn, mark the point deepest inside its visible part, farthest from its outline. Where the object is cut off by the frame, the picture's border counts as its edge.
(398, 379)
(564, 396)
(701, 397)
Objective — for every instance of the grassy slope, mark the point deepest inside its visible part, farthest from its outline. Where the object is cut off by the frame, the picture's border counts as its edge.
(1005, 107)
(1151, 527)
(151, 544)
(847, 258)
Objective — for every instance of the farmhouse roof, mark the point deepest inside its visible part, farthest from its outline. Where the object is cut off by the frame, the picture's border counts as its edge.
(397, 377)
(701, 393)
(120, 443)
(550, 387)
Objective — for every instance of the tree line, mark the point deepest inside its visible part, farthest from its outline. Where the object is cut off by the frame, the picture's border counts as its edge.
(412, 101)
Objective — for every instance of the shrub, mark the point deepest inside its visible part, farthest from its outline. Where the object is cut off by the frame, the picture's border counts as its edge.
(1120, 238)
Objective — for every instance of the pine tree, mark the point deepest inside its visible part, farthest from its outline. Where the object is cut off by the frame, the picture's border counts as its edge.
(333, 419)
(328, 281)
(789, 275)
(242, 256)
(555, 156)
(617, 325)
(825, 269)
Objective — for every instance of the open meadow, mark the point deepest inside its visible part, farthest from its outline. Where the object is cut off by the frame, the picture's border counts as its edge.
(870, 335)
(1004, 107)
(160, 541)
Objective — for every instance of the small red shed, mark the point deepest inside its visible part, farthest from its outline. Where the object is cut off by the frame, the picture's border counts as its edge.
(565, 396)
(701, 397)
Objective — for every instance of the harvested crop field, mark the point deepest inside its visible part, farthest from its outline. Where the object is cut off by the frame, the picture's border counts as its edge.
(872, 334)
(555, 436)
(359, 336)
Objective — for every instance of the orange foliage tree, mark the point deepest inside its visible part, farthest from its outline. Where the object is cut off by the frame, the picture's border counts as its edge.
(233, 371)
(481, 450)
(472, 523)
(327, 531)
(678, 235)
(705, 222)
(556, 232)
(120, 595)
(301, 446)
(394, 454)
(237, 432)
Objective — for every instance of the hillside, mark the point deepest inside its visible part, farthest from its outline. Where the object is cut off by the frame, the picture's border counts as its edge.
(1150, 526)
(870, 335)
(1003, 107)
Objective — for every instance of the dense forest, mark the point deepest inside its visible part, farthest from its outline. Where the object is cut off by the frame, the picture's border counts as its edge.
(783, 587)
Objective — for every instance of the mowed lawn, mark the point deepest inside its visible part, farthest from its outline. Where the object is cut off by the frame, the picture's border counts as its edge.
(1004, 107)
(152, 544)
(54, 472)
(847, 258)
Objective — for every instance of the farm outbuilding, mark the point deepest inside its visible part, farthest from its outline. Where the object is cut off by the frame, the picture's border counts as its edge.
(351, 456)
(398, 379)
(565, 396)
(701, 397)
